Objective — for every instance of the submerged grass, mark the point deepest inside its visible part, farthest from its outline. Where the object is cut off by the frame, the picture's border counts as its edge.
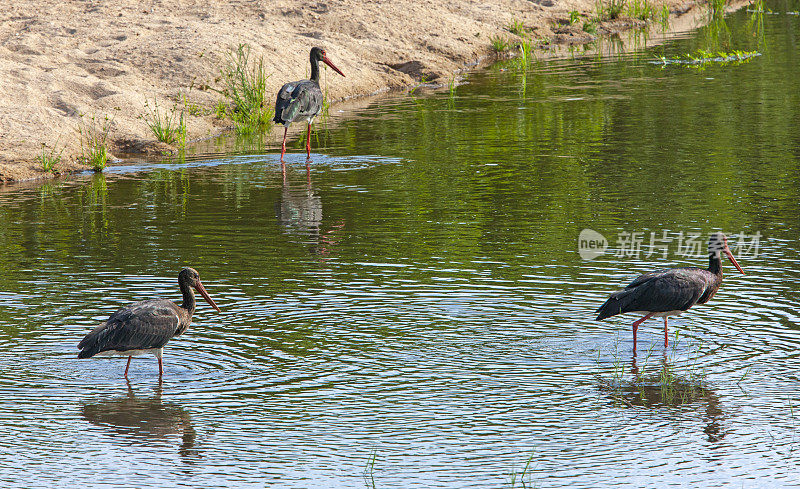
(93, 134)
(245, 86)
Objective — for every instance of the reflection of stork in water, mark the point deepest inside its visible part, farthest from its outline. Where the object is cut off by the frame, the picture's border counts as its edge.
(300, 213)
(145, 418)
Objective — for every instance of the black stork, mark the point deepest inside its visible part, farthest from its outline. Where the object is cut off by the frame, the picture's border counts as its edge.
(672, 291)
(302, 99)
(146, 326)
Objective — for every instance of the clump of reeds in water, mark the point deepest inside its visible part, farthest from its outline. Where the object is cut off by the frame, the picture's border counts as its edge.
(669, 383)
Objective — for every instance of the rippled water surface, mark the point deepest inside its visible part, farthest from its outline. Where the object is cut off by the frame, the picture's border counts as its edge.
(418, 312)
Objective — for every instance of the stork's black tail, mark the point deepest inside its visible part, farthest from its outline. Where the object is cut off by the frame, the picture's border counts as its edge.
(618, 303)
(93, 342)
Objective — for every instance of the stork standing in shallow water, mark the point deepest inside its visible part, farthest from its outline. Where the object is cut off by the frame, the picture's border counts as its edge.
(672, 291)
(145, 327)
(302, 99)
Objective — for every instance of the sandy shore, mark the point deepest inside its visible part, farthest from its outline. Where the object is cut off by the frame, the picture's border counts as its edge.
(62, 63)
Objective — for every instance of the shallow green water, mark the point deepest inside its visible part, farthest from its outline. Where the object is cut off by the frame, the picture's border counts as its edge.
(423, 299)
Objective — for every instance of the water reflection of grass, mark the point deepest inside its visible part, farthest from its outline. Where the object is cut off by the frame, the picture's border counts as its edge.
(670, 383)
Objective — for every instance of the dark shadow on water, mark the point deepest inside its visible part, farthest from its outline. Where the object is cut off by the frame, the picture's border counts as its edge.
(144, 419)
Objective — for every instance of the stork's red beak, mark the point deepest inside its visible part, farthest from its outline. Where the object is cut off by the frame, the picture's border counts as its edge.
(203, 292)
(328, 62)
(732, 259)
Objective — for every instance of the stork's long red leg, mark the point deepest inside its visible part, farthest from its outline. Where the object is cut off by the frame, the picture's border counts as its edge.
(636, 327)
(283, 146)
(308, 142)
(126, 367)
(666, 338)
(160, 367)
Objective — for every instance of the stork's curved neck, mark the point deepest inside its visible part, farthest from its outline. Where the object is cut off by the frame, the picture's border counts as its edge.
(715, 263)
(188, 297)
(314, 70)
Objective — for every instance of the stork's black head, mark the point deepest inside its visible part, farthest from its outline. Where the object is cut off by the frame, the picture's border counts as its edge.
(318, 54)
(189, 276)
(717, 243)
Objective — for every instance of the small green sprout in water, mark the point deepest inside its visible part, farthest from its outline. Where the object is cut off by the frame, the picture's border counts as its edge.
(574, 16)
(422, 81)
(717, 7)
(369, 470)
(93, 134)
(744, 375)
(525, 50)
(451, 91)
(590, 27)
(51, 157)
(526, 472)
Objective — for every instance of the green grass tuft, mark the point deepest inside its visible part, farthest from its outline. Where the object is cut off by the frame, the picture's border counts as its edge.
(168, 126)
(51, 157)
(517, 28)
(610, 10)
(500, 44)
(93, 134)
(640, 9)
(245, 86)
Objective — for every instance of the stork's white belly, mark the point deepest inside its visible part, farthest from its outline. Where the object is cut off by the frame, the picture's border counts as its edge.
(131, 353)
